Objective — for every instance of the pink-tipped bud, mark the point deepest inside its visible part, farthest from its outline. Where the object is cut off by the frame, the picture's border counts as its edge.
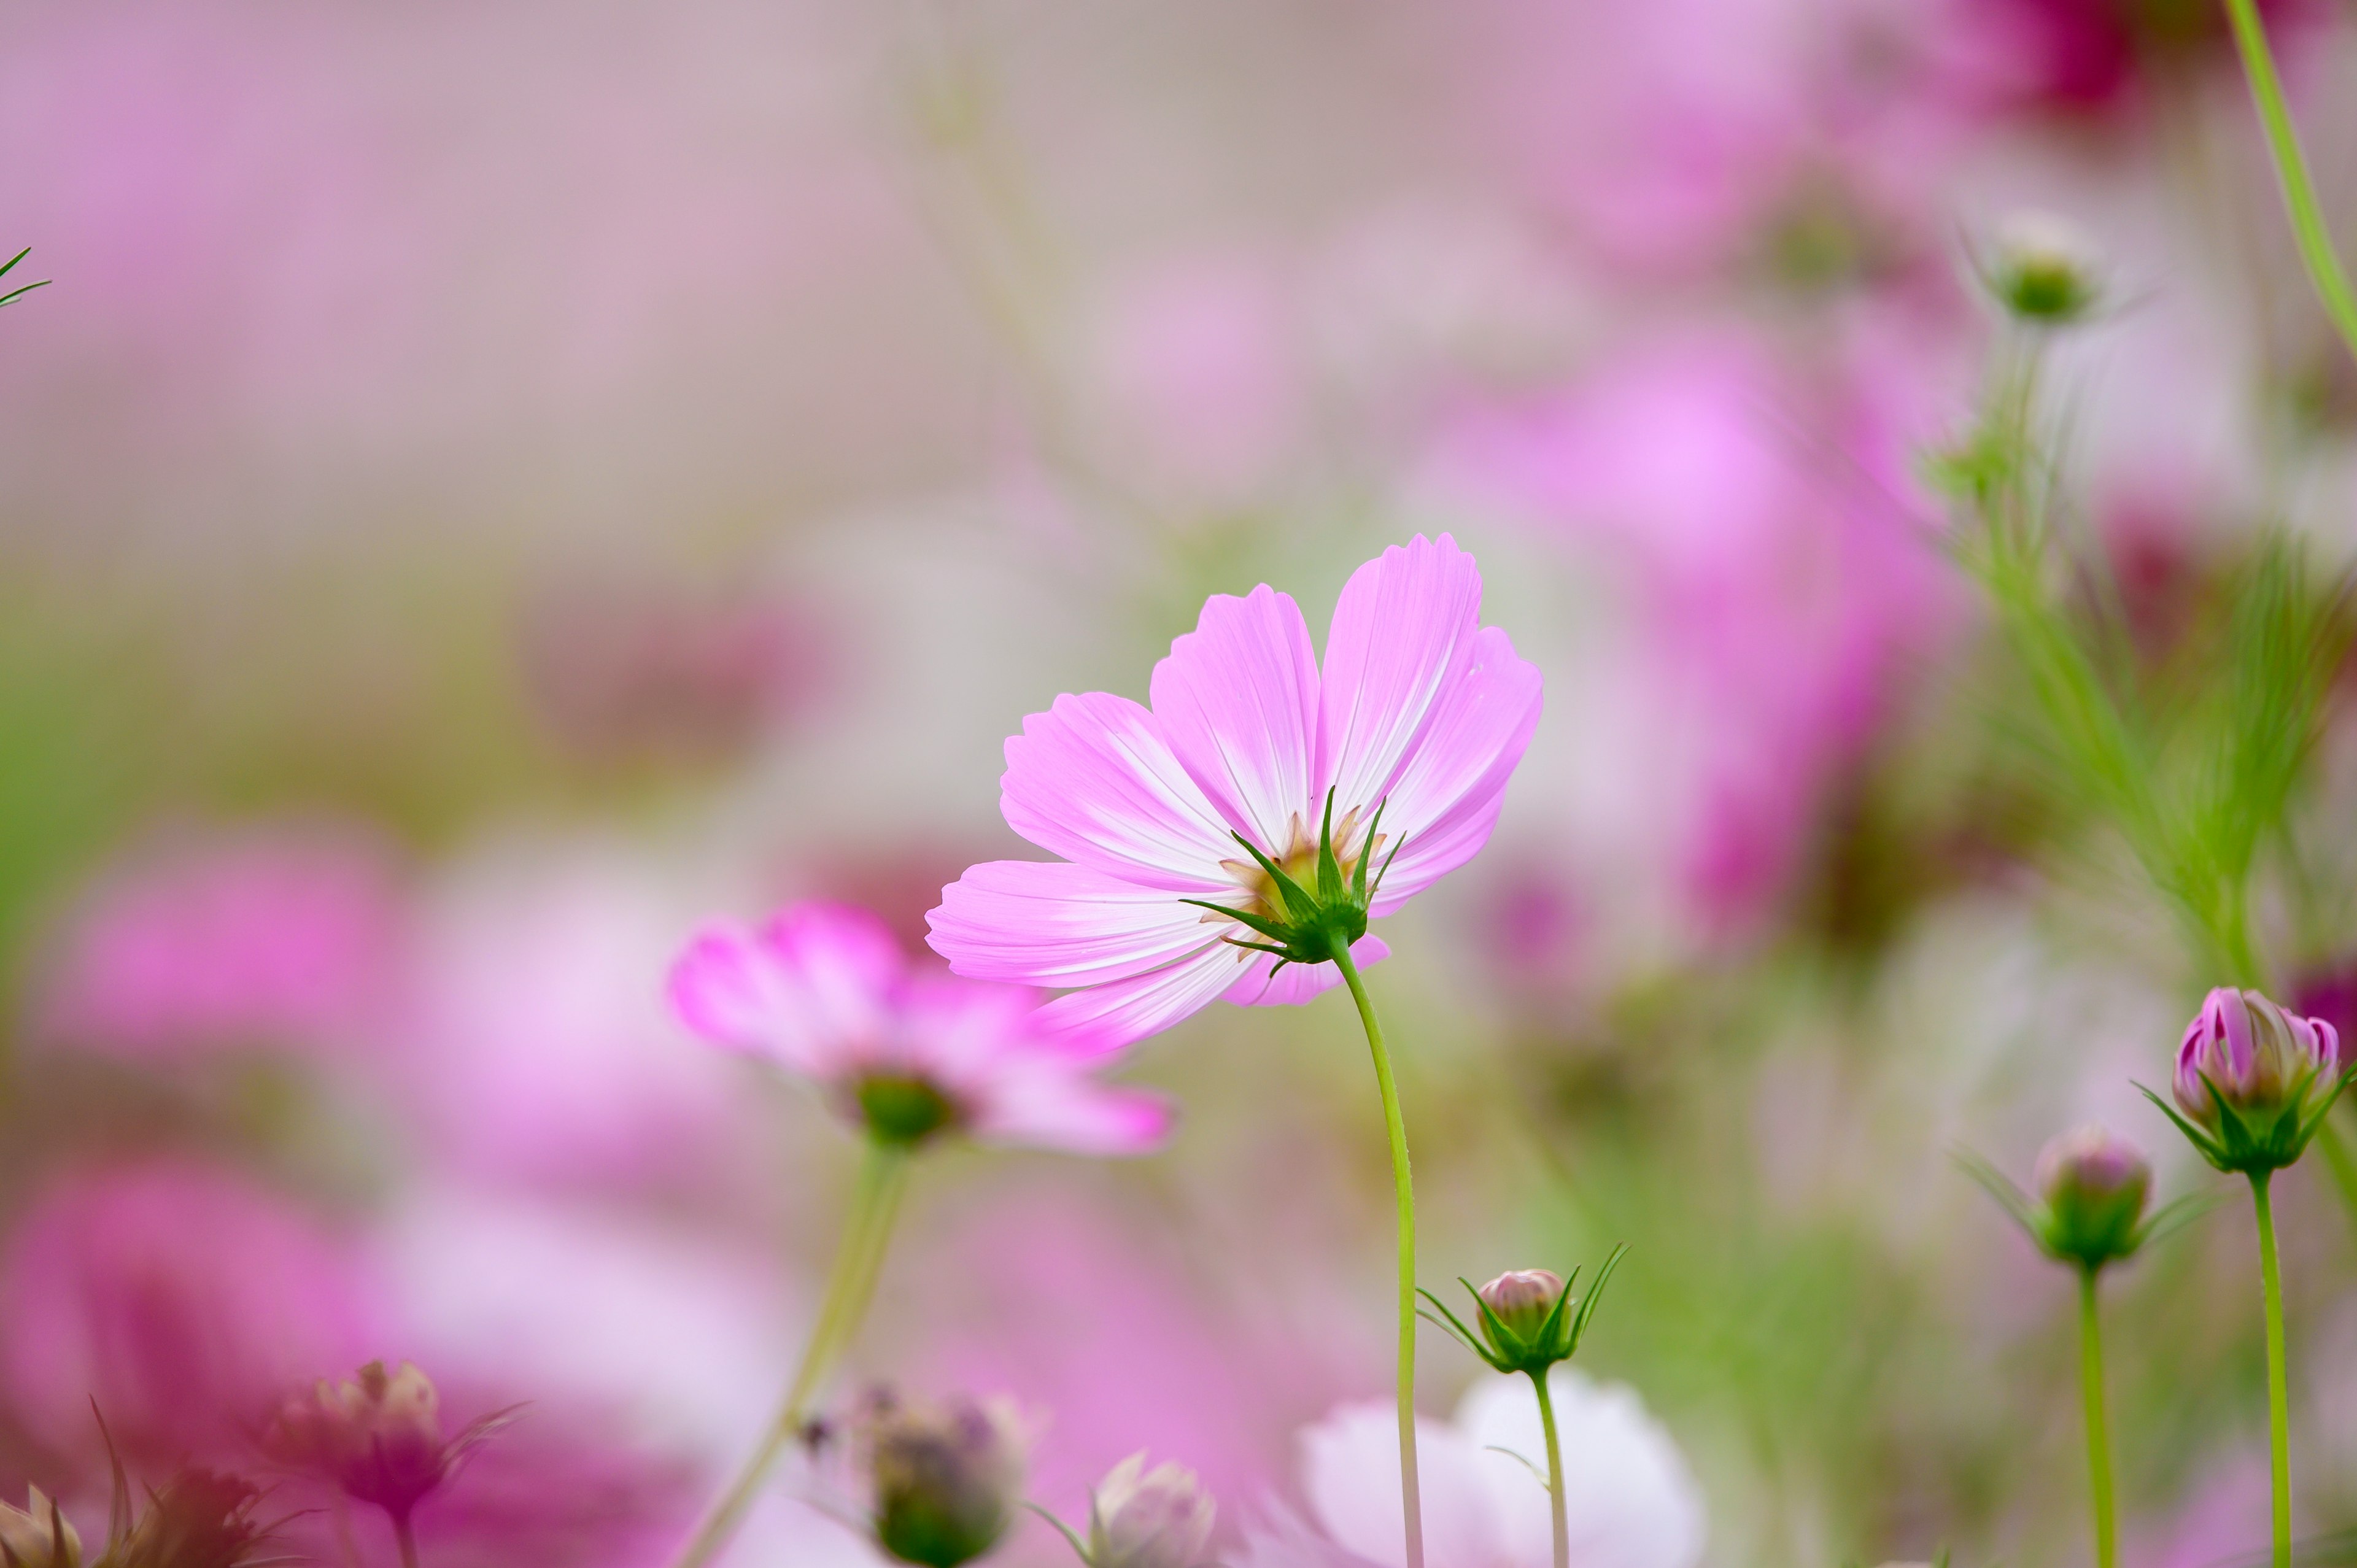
(1522, 1300)
(36, 1535)
(2045, 270)
(2253, 1053)
(947, 1475)
(2095, 1185)
(1157, 1518)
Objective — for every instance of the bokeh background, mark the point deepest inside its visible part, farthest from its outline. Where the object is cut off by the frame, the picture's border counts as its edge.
(492, 484)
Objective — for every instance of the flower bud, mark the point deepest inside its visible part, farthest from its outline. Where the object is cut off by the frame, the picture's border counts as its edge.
(2045, 270)
(1520, 1302)
(2094, 1186)
(1141, 1518)
(946, 1475)
(36, 1535)
(378, 1437)
(2254, 1080)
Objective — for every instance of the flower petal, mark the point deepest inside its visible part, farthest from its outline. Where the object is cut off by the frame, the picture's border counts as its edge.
(811, 990)
(1050, 1104)
(1056, 925)
(1298, 982)
(1630, 1501)
(1115, 1015)
(1350, 1474)
(1445, 798)
(1093, 779)
(1401, 635)
(1238, 700)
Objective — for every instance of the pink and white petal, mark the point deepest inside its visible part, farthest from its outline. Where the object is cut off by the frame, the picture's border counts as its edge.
(1238, 701)
(1052, 1106)
(1445, 801)
(1401, 634)
(1059, 925)
(1093, 779)
(1298, 982)
(1127, 1011)
(959, 1032)
(811, 990)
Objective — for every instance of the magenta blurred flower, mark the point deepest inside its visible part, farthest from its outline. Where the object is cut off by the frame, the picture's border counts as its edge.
(1419, 712)
(181, 1298)
(378, 1437)
(1629, 1500)
(823, 992)
(276, 938)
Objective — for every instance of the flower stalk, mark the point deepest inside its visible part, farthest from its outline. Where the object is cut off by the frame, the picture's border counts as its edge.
(2278, 1399)
(1556, 1505)
(859, 1259)
(2099, 1438)
(1403, 1194)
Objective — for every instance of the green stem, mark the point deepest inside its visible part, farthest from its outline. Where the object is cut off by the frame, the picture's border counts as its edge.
(1404, 1192)
(2291, 171)
(406, 1540)
(2099, 1440)
(2341, 1163)
(1555, 1473)
(858, 1260)
(2278, 1416)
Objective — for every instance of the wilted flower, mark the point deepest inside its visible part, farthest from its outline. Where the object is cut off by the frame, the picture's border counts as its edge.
(2044, 269)
(2253, 1081)
(378, 1437)
(37, 1535)
(1230, 832)
(824, 991)
(1148, 1519)
(945, 1475)
(1529, 1318)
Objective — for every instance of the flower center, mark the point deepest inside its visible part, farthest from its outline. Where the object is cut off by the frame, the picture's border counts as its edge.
(902, 1109)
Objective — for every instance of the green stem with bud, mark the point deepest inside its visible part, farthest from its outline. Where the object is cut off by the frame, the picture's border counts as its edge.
(2099, 1439)
(2291, 172)
(867, 1233)
(2278, 1396)
(1554, 1470)
(1403, 1191)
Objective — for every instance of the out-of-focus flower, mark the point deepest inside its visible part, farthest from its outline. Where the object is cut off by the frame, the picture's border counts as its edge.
(183, 1300)
(199, 1518)
(823, 992)
(2254, 1082)
(1150, 1518)
(38, 1535)
(378, 1437)
(945, 1475)
(2095, 1185)
(282, 937)
(2043, 269)
(1178, 820)
(1628, 1497)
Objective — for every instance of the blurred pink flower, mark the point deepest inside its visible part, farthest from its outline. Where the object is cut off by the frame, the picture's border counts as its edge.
(1629, 1500)
(823, 992)
(1783, 590)
(180, 1297)
(275, 937)
(1419, 711)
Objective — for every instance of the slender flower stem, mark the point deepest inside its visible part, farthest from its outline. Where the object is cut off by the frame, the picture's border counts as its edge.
(406, 1539)
(2278, 1398)
(2291, 171)
(858, 1258)
(1403, 1191)
(2098, 1439)
(1555, 1473)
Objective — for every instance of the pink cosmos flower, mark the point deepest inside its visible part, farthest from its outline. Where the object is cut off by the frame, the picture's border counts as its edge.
(823, 992)
(1419, 712)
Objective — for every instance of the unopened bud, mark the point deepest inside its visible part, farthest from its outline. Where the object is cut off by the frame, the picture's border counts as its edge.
(378, 1437)
(946, 1475)
(36, 1535)
(2095, 1185)
(1142, 1519)
(2253, 1081)
(2045, 270)
(1520, 1301)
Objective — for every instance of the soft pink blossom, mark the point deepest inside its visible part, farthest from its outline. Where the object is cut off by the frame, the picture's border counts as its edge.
(822, 991)
(181, 1298)
(279, 938)
(1418, 711)
(1629, 1500)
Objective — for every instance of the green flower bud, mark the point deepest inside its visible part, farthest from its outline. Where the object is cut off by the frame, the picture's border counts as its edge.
(2044, 270)
(2094, 1186)
(946, 1477)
